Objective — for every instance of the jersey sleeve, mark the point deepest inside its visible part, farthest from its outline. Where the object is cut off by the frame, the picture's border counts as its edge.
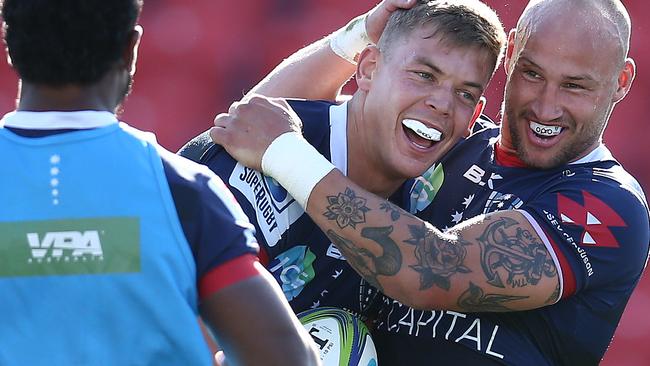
(220, 235)
(597, 233)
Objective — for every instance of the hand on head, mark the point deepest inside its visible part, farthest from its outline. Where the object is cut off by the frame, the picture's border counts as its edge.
(250, 126)
(378, 16)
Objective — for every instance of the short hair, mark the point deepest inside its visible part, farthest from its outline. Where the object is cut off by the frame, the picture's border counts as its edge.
(464, 23)
(64, 42)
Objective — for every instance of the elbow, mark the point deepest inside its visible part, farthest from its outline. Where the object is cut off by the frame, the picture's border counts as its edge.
(303, 353)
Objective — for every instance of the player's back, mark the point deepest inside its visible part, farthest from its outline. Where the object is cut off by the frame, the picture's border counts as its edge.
(93, 254)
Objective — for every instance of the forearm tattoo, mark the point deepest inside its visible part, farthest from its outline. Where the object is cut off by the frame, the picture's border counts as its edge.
(347, 209)
(390, 208)
(364, 261)
(437, 259)
(517, 252)
(474, 299)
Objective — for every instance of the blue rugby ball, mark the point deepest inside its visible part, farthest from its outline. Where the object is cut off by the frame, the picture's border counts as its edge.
(341, 338)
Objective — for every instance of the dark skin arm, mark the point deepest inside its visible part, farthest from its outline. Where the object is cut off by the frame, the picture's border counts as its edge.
(277, 338)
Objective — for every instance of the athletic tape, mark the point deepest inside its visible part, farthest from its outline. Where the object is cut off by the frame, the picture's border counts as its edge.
(296, 165)
(350, 40)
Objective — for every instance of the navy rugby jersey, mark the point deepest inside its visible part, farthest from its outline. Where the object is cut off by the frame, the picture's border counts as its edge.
(308, 267)
(593, 218)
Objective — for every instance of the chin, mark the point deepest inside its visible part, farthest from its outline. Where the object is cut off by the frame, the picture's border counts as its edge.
(544, 161)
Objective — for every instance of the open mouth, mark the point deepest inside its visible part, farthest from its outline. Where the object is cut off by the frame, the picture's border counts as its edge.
(419, 134)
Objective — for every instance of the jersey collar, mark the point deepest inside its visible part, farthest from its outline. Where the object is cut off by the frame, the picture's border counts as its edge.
(338, 136)
(57, 120)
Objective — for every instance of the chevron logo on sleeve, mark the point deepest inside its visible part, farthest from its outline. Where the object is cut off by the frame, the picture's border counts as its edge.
(594, 216)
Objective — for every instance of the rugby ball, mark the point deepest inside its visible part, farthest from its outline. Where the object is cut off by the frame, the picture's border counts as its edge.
(341, 338)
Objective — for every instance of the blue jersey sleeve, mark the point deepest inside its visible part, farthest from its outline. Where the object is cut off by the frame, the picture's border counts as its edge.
(213, 223)
(595, 227)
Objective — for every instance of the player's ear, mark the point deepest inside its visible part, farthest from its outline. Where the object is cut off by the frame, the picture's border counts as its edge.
(510, 50)
(624, 80)
(478, 110)
(366, 67)
(130, 56)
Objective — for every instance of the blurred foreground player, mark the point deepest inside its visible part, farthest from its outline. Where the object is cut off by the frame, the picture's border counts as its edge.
(110, 244)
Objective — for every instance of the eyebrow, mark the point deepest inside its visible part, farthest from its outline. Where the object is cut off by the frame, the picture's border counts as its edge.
(582, 77)
(437, 70)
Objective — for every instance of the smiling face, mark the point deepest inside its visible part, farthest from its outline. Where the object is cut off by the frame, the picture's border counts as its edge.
(422, 90)
(564, 76)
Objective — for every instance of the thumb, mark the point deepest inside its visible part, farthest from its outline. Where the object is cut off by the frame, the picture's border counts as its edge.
(219, 135)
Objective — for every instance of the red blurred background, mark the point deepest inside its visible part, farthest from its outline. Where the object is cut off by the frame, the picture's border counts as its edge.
(198, 56)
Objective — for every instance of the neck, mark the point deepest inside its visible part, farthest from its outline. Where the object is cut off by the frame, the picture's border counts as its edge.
(100, 96)
(363, 167)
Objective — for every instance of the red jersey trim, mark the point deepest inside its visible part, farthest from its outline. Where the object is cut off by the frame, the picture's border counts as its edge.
(229, 273)
(569, 276)
(507, 159)
(564, 270)
(264, 257)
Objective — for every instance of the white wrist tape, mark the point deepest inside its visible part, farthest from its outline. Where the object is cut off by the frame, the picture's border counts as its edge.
(295, 164)
(350, 40)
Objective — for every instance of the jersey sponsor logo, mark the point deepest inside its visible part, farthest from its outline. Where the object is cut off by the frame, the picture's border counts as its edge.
(293, 270)
(60, 247)
(476, 174)
(75, 243)
(334, 252)
(453, 326)
(275, 209)
(595, 218)
(426, 188)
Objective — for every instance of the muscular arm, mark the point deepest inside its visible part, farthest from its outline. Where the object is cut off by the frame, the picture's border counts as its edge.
(316, 72)
(254, 325)
(495, 262)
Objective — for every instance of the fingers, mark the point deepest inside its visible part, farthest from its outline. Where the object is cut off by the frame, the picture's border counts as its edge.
(378, 16)
(392, 5)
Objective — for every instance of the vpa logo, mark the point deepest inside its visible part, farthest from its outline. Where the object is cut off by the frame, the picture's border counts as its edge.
(65, 244)
(66, 247)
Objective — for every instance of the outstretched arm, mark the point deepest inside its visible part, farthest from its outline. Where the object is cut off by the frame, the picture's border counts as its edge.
(316, 72)
(279, 338)
(407, 258)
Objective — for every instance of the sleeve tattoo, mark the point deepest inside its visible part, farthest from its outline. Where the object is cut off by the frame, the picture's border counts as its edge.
(510, 256)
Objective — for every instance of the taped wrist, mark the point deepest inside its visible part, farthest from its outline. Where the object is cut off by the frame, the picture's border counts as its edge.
(349, 41)
(296, 165)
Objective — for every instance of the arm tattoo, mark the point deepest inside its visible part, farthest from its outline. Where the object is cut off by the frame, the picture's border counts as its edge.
(390, 208)
(367, 263)
(347, 209)
(475, 300)
(554, 296)
(437, 259)
(519, 253)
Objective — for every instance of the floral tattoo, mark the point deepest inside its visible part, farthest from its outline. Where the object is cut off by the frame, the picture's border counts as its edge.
(347, 209)
(437, 259)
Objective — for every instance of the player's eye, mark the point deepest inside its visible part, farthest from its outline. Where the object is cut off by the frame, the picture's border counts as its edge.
(424, 75)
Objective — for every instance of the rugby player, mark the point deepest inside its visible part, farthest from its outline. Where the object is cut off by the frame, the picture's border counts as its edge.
(111, 245)
(528, 239)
